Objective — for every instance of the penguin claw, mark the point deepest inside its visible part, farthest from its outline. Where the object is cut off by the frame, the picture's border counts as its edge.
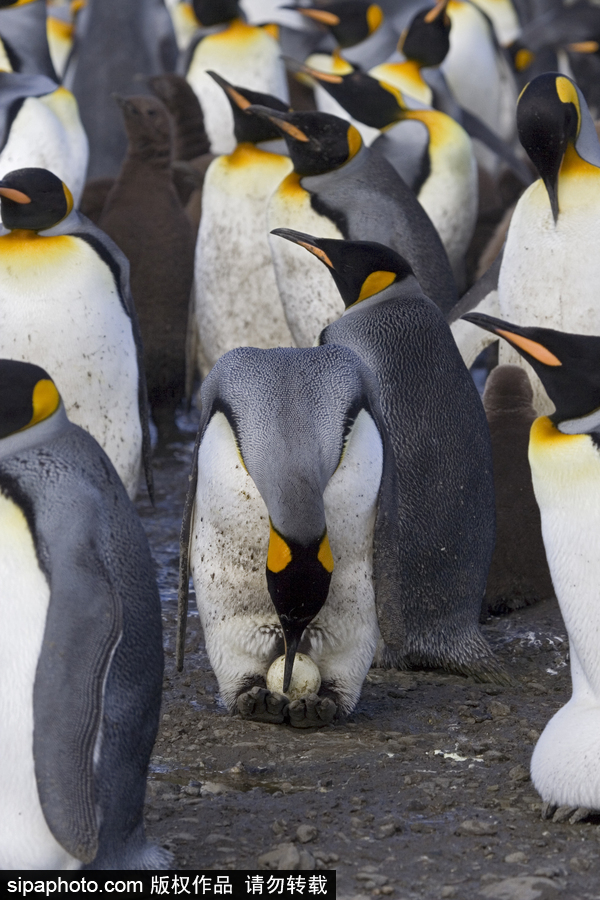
(572, 814)
(311, 712)
(262, 705)
(548, 810)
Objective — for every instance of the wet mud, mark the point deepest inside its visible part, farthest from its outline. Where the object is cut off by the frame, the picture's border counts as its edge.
(423, 792)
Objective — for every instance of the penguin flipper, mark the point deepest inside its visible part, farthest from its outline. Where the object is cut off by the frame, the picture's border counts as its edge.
(184, 555)
(16, 87)
(83, 628)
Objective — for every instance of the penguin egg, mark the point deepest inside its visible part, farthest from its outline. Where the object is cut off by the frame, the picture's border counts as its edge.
(306, 678)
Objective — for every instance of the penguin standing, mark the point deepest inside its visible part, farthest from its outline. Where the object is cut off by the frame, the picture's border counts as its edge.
(428, 149)
(236, 302)
(340, 189)
(241, 53)
(81, 657)
(144, 217)
(65, 301)
(550, 266)
(39, 120)
(518, 573)
(444, 502)
(565, 468)
(292, 470)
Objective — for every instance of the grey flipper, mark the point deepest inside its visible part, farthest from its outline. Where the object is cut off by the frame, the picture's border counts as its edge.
(368, 201)
(390, 616)
(484, 286)
(406, 148)
(184, 552)
(14, 90)
(483, 298)
(23, 33)
(80, 226)
(101, 658)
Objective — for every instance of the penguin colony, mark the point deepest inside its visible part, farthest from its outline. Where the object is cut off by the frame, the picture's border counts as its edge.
(291, 207)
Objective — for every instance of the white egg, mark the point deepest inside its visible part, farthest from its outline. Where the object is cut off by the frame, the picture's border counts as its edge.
(306, 678)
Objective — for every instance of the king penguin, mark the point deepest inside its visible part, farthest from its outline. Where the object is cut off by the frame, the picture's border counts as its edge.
(243, 54)
(341, 190)
(550, 267)
(81, 656)
(444, 503)
(66, 303)
(293, 471)
(429, 150)
(236, 301)
(39, 119)
(565, 466)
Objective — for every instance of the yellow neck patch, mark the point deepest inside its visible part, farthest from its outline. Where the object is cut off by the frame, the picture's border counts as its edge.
(354, 141)
(325, 556)
(45, 400)
(279, 554)
(523, 59)
(374, 283)
(544, 433)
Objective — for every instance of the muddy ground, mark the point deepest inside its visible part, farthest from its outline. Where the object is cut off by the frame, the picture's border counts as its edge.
(423, 793)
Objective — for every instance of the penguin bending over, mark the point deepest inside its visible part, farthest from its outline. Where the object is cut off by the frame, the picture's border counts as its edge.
(145, 218)
(81, 656)
(292, 469)
(550, 266)
(340, 189)
(444, 503)
(65, 302)
(565, 467)
(236, 301)
(39, 119)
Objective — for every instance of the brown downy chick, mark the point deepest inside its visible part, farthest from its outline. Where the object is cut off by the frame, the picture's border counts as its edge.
(191, 150)
(519, 573)
(144, 216)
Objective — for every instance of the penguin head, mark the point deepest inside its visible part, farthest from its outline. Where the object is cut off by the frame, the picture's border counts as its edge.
(33, 200)
(215, 12)
(5, 3)
(248, 128)
(317, 142)
(368, 100)
(426, 41)
(27, 396)
(568, 365)
(360, 269)
(349, 21)
(149, 127)
(549, 119)
(178, 96)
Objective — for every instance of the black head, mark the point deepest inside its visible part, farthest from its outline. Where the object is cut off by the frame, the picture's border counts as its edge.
(215, 12)
(427, 38)
(548, 120)
(317, 142)
(33, 199)
(568, 365)
(298, 580)
(360, 269)
(248, 128)
(149, 128)
(27, 396)
(366, 99)
(5, 3)
(349, 21)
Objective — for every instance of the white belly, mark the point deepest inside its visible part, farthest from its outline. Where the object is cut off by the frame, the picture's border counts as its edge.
(236, 298)
(550, 273)
(310, 299)
(47, 133)
(566, 480)
(228, 555)
(26, 842)
(60, 309)
(245, 56)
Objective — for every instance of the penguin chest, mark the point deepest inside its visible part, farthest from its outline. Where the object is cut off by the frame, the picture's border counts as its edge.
(566, 479)
(308, 293)
(244, 55)
(60, 309)
(237, 302)
(25, 839)
(47, 133)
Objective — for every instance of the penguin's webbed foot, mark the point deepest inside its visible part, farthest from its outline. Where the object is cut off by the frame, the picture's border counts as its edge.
(262, 705)
(572, 814)
(311, 712)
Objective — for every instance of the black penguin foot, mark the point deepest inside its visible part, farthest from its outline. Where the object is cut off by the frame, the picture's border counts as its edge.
(311, 712)
(572, 814)
(262, 705)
